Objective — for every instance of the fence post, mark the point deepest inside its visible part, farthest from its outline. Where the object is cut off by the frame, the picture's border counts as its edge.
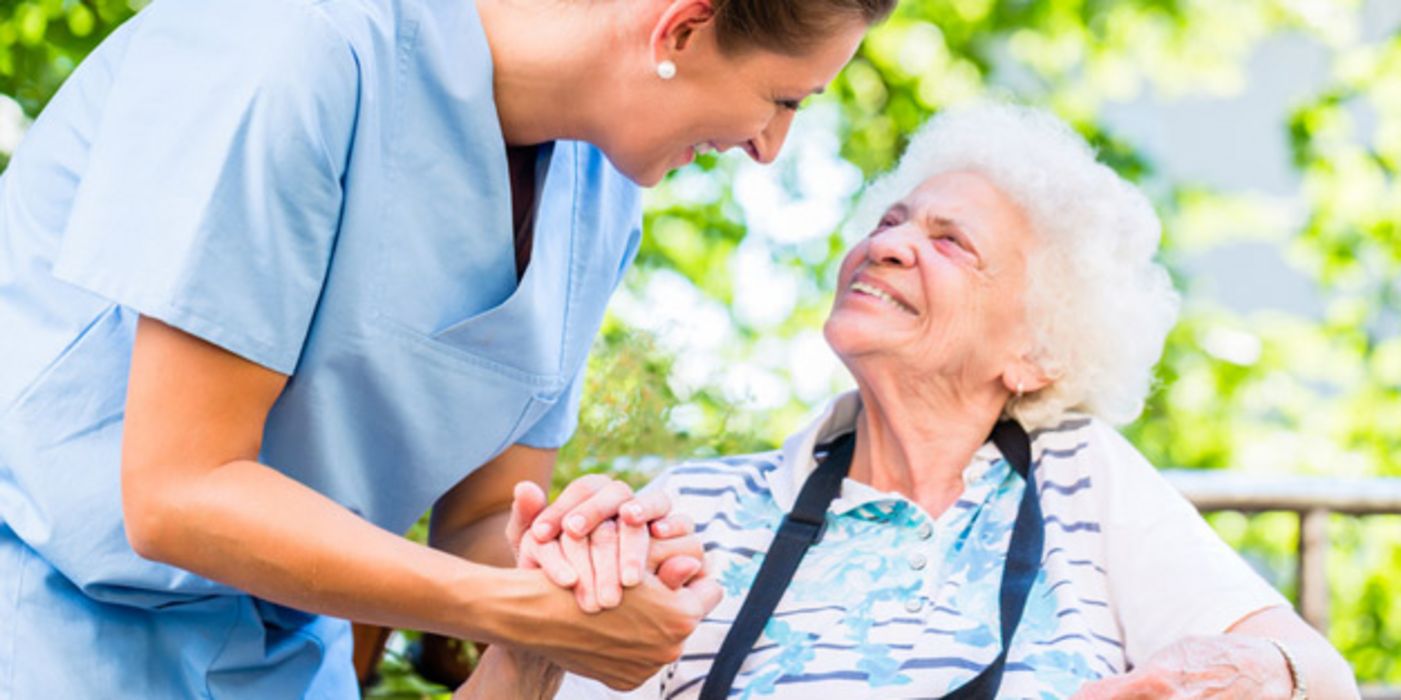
(1313, 567)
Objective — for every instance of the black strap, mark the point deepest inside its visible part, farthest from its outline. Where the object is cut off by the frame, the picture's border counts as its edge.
(803, 527)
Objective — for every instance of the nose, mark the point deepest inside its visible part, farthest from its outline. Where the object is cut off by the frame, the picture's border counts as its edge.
(769, 142)
(892, 246)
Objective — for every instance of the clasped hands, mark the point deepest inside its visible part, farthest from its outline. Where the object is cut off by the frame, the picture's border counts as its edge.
(599, 538)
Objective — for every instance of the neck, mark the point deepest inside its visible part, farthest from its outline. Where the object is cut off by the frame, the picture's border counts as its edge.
(917, 439)
(553, 77)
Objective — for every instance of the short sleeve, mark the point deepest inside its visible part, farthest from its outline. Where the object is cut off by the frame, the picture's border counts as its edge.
(1170, 575)
(212, 193)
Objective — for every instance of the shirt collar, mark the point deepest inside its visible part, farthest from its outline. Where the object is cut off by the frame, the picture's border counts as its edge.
(838, 417)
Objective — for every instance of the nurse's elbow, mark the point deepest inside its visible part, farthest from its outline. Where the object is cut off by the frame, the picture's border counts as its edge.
(150, 518)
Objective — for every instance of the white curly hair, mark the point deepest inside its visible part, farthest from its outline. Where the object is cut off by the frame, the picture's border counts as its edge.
(1098, 304)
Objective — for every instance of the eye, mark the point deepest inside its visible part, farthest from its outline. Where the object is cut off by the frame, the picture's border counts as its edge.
(950, 238)
(887, 221)
(790, 105)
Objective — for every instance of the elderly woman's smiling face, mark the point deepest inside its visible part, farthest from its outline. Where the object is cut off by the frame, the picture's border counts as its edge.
(937, 289)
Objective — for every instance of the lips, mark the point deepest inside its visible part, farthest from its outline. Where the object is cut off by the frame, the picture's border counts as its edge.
(880, 292)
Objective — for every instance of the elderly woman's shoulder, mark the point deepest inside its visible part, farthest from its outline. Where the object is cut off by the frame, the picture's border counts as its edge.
(1089, 464)
(747, 473)
(1084, 444)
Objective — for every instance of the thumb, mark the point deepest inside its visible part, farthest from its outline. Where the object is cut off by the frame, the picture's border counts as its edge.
(529, 501)
(676, 571)
(707, 593)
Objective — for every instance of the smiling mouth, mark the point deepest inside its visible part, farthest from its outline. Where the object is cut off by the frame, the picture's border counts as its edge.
(882, 295)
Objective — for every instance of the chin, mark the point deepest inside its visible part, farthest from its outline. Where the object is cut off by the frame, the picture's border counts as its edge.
(640, 172)
(843, 337)
(851, 335)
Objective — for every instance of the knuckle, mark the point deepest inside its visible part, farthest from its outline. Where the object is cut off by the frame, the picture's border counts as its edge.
(584, 486)
(618, 490)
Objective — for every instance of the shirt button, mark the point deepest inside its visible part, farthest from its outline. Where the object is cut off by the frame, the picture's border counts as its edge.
(917, 561)
(925, 531)
(913, 605)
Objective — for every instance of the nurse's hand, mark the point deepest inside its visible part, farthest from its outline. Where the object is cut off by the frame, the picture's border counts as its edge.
(614, 553)
(621, 647)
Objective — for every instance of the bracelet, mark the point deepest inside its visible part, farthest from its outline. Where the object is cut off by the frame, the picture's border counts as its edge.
(1301, 691)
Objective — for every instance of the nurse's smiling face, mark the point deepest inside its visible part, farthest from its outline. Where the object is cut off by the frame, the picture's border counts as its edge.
(938, 287)
(719, 100)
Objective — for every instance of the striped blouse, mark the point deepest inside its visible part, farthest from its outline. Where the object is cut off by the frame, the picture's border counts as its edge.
(896, 603)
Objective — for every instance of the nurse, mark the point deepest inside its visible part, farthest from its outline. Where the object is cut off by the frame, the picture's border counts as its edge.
(276, 276)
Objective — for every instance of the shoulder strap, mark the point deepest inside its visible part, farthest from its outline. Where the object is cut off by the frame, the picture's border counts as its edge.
(801, 528)
(1023, 560)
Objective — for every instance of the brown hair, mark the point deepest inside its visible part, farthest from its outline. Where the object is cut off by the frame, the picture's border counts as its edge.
(789, 26)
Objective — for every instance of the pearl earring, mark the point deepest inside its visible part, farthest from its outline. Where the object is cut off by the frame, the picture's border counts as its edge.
(666, 70)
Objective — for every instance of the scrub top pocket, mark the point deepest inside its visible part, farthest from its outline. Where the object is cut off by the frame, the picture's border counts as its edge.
(60, 473)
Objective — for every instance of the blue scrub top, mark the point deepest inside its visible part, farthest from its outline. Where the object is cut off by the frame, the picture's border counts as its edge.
(321, 187)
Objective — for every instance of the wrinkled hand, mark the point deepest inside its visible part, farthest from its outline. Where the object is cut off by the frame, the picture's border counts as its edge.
(1217, 667)
(504, 673)
(598, 538)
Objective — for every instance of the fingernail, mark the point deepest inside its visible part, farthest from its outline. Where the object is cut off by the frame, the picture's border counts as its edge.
(633, 510)
(663, 529)
(631, 576)
(609, 599)
(575, 523)
(541, 530)
(566, 576)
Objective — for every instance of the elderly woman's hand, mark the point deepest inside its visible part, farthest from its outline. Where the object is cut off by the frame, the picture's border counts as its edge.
(1223, 666)
(610, 539)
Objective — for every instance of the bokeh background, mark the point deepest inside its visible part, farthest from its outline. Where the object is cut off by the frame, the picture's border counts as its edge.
(1267, 132)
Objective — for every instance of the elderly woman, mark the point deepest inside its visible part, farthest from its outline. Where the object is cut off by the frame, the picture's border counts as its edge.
(1002, 312)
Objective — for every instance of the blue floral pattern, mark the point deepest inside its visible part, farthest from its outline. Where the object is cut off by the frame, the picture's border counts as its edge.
(848, 585)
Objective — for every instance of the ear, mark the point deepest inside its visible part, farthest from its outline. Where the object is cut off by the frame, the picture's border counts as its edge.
(677, 25)
(1025, 374)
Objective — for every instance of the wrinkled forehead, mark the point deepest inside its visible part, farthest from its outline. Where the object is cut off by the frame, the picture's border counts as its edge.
(966, 191)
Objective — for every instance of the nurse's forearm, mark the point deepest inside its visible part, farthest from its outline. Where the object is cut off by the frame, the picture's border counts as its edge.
(193, 496)
(254, 528)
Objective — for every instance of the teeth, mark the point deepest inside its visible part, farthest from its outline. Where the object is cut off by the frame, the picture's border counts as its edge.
(703, 148)
(879, 294)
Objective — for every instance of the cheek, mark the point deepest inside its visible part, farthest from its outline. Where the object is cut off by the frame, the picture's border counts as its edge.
(848, 268)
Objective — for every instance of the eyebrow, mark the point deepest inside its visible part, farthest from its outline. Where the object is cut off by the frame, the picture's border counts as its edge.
(944, 222)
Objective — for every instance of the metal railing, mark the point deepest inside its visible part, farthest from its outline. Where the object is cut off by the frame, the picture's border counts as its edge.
(1313, 500)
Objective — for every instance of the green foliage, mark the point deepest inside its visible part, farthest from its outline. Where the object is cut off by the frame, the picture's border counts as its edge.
(41, 41)
(627, 411)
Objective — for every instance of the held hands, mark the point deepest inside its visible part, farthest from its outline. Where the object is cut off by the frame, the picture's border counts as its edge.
(598, 539)
(1216, 667)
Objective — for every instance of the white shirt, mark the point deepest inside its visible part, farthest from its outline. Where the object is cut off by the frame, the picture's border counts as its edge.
(896, 603)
